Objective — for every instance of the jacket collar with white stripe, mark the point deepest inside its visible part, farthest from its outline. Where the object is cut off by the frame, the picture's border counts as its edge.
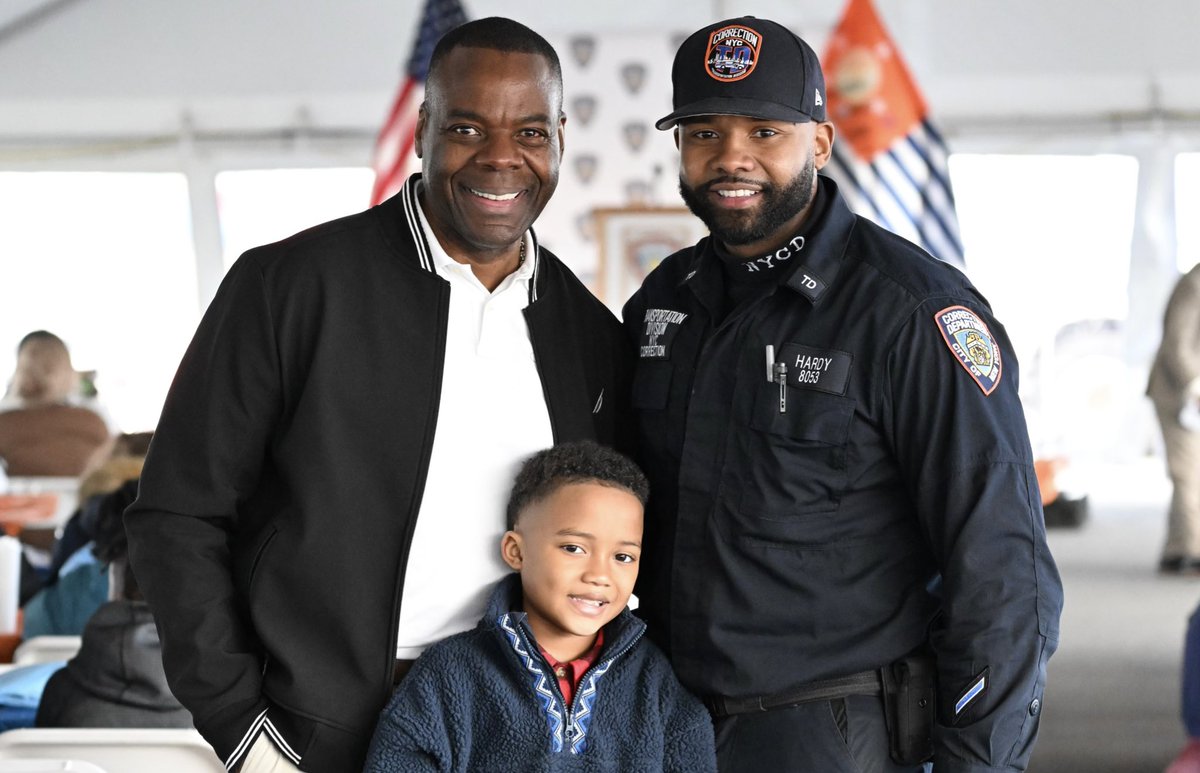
(401, 221)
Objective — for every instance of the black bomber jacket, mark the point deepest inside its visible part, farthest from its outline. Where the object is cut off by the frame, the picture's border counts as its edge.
(281, 490)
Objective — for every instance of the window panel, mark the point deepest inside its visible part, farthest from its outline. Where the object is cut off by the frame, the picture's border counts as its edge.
(105, 261)
(260, 206)
(1187, 204)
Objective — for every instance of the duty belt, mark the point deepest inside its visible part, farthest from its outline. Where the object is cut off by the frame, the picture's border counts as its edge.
(863, 683)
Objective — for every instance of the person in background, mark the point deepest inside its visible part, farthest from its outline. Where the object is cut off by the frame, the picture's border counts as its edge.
(351, 412)
(557, 657)
(1174, 388)
(117, 677)
(42, 431)
(845, 535)
(80, 584)
(1188, 758)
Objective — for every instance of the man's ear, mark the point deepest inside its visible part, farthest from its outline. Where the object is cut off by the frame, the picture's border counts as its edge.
(511, 550)
(675, 134)
(822, 143)
(419, 130)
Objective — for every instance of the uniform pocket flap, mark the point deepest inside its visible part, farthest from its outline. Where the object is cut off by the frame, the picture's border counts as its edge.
(809, 416)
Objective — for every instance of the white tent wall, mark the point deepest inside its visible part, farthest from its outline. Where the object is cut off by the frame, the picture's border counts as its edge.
(198, 88)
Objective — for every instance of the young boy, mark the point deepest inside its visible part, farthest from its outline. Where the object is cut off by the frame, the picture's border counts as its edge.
(557, 675)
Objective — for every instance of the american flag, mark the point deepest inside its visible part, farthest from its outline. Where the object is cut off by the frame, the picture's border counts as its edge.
(393, 159)
(890, 162)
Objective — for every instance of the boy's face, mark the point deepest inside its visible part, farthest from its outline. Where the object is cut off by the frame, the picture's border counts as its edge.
(577, 551)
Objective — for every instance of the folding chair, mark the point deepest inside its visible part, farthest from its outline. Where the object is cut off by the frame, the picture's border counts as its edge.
(46, 649)
(118, 750)
(49, 766)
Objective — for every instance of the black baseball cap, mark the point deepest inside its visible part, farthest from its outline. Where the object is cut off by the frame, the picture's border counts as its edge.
(746, 66)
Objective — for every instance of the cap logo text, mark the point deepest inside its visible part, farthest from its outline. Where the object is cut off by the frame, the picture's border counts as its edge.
(732, 53)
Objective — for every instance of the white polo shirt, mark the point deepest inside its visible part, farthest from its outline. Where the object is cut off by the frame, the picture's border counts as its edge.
(492, 416)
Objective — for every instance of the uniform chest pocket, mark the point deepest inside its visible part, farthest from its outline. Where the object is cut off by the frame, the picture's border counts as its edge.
(795, 467)
(651, 386)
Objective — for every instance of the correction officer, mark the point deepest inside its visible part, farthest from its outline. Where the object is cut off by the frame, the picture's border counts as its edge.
(843, 494)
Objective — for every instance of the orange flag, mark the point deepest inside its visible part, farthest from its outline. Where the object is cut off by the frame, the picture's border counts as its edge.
(888, 159)
(872, 98)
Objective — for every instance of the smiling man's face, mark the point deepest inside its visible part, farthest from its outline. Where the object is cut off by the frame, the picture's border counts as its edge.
(577, 550)
(490, 138)
(751, 180)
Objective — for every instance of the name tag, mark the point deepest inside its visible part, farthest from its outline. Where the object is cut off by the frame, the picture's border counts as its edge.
(660, 327)
(826, 370)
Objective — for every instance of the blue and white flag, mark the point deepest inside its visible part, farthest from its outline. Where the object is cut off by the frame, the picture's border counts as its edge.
(889, 161)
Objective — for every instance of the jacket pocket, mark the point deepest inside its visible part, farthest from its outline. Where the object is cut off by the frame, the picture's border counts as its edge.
(795, 465)
(267, 538)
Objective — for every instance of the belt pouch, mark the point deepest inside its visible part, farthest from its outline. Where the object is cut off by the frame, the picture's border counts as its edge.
(909, 693)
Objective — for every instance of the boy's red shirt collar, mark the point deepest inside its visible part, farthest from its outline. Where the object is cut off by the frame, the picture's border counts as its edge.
(569, 674)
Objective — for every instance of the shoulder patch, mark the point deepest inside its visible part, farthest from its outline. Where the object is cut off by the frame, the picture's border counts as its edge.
(972, 345)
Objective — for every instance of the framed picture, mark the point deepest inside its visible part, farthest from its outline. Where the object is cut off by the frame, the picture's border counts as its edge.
(632, 242)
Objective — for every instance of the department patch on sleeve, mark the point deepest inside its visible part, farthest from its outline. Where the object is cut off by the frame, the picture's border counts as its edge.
(972, 345)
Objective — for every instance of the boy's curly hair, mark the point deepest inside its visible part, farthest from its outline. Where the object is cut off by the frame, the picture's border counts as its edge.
(576, 462)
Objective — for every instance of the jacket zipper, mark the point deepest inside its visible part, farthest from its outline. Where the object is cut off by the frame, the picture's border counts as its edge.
(569, 712)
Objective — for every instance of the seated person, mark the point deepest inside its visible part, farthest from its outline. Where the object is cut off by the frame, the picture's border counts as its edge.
(557, 675)
(117, 678)
(64, 606)
(59, 598)
(41, 432)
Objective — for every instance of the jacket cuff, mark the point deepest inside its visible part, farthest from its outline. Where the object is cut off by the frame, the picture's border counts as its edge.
(233, 729)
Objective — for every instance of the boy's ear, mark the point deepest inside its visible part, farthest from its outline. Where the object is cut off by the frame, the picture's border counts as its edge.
(511, 549)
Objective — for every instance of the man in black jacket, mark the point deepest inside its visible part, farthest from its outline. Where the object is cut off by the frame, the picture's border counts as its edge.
(324, 494)
(840, 472)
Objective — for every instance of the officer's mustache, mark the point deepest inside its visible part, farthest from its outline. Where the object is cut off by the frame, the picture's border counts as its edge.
(731, 180)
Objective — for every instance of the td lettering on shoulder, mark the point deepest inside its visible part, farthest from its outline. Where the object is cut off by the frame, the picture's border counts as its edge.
(660, 327)
(808, 283)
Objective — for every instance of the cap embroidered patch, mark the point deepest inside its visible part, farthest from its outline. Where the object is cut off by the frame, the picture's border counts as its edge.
(732, 53)
(972, 345)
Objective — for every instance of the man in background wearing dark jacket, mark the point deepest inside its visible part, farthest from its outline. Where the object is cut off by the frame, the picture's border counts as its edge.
(326, 487)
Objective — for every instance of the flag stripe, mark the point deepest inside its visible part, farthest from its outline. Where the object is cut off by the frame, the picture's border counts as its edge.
(854, 191)
(393, 158)
(928, 210)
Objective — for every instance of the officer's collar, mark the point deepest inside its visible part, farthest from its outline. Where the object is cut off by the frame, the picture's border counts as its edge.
(824, 239)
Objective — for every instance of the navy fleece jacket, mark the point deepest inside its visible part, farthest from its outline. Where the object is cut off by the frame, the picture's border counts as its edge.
(485, 700)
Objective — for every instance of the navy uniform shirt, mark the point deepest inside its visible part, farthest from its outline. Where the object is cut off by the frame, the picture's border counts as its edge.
(889, 501)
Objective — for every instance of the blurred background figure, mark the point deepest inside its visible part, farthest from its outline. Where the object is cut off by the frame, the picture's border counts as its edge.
(42, 429)
(117, 678)
(59, 599)
(1188, 760)
(1174, 388)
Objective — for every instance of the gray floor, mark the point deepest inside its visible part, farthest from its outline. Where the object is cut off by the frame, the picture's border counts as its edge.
(1112, 700)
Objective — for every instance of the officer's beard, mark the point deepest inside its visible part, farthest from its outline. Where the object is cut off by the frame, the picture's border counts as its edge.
(738, 227)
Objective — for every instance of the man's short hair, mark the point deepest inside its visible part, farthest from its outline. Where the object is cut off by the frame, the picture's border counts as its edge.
(498, 34)
(40, 336)
(581, 461)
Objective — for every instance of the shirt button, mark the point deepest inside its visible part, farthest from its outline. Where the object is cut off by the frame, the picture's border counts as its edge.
(1035, 707)
(560, 672)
